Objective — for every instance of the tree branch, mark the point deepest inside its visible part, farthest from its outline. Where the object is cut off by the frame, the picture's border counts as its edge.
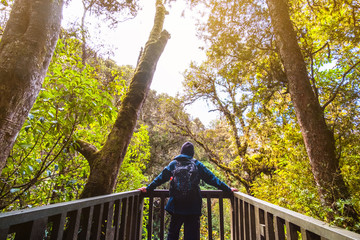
(88, 150)
(341, 83)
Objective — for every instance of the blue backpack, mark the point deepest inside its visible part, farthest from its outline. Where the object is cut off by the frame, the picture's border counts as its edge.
(185, 182)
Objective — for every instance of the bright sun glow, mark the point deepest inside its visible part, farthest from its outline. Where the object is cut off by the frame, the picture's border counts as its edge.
(127, 39)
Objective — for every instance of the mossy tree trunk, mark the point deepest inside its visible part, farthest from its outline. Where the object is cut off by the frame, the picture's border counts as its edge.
(319, 140)
(26, 49)
(105, 163)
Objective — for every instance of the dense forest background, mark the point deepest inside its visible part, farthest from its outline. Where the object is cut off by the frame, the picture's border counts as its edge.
(256, 144)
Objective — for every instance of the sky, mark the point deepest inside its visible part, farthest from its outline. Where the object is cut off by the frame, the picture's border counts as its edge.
(182, 48)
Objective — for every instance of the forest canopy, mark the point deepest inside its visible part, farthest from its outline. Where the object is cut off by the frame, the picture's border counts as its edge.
(282, 78)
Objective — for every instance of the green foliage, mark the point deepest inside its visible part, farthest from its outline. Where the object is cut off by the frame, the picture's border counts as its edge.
(257, 136)
(131, 174)
(74, 103)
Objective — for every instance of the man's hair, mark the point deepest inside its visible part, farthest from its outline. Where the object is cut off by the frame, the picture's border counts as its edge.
(187, 149)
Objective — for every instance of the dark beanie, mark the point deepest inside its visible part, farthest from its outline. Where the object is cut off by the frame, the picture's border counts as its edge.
(187, 149)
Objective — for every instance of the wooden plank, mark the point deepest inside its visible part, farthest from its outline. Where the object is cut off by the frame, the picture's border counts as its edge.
(262, 224)
(270, 232)
(150, 220)
(89, 222)
(72, 225)
(38, 229)
(237, 217)
(221, 209)
(117, 218)
(241, 218)
(140, 218)
(252, 222)
(108, 215)
(129, 217)
(124, 207)
(246, 221)
(209, 217)
(234, 219)
(292, 231)
(257, 223)
(96, 225)
(58, 222)
(280, 228)
(8, 219)
(162, 218)
(276, 227)
(135, 212)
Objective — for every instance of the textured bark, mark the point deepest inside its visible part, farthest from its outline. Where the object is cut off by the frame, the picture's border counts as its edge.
(26, 49)
(106, 165)
(319, 140)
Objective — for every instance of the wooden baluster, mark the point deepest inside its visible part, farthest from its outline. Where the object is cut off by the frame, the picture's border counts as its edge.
(234, 219)
(257, 223)
(246, 221)
(162, 218)
(291, 231)
(107, 221)
(280, 228)
(241, 218)
(150, 220)
(208, 200)
(221, 208)
(88, 220)
(262, 224)
(124, 206)
(96, 225)
(73, 224)
(269, 223)
(58, 222)
(129, 218)
(252, 222)
(135, 212)
(140, 210)
(117, 218)
(38, 229)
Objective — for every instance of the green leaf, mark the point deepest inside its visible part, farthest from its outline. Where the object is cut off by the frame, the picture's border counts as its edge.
(25, 145)
(27, 128)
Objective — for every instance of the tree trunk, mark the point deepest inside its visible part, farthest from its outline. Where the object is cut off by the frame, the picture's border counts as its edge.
(319, 140)
(105, 164)
(26, 49)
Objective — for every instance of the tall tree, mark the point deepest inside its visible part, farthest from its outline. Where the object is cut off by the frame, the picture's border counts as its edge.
(319, 140)
(105, 163)
(26, 48)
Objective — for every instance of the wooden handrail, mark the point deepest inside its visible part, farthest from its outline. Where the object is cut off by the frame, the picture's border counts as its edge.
(119, 216)
(207, 194)
(257, 219)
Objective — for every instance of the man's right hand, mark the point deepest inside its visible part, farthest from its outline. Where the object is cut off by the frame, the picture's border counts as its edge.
(142, 189)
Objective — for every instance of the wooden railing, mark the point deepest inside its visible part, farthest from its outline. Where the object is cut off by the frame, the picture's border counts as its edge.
(162, 195)
(256, 219)
(114, 216)
(119, 216)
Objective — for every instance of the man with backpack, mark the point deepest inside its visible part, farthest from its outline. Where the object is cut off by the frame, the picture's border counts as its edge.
(185, 200)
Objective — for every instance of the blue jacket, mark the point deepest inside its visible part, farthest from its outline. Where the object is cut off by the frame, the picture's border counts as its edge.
(193, 206)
